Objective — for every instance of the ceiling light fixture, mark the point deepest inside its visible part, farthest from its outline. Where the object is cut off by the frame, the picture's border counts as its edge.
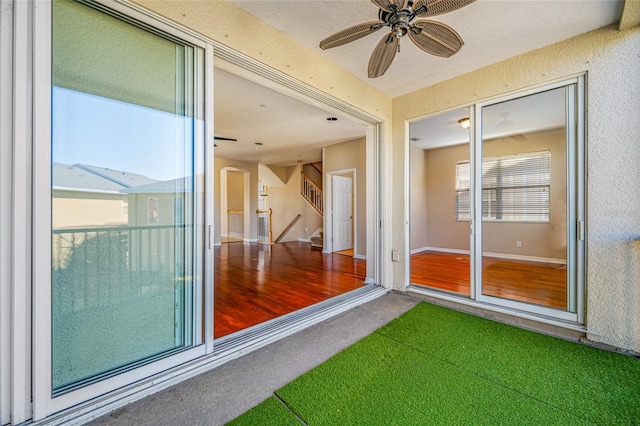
(465, 122)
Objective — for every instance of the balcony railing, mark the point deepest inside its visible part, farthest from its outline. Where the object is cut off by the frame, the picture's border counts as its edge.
(108, 266)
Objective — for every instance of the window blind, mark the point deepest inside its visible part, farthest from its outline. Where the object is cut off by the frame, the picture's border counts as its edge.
(514, 187)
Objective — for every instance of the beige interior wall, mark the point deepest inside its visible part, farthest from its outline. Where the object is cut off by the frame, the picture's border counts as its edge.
(286, 202)
(235, 190)
(418, 198)
(352, 155)
(611, 60)
(544, 240)
(443, 230)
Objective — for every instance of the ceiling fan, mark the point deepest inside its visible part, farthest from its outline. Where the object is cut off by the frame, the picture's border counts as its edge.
(431, 36)
(220, 138)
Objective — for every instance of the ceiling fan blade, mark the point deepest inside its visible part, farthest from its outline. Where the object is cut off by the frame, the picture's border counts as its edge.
(386, 4)
(220, 138)
(383, 55)
(438, 7)
(435, 38)
(350, 34)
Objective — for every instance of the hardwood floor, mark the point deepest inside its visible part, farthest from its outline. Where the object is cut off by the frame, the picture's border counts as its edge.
(542, 284)
(257, 282)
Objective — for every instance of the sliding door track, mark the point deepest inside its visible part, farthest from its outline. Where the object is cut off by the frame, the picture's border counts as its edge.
(277, 328)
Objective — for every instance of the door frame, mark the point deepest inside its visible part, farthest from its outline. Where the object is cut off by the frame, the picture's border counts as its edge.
(328, 216)
(576, 210)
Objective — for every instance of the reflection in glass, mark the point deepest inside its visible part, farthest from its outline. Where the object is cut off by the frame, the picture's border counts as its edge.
(123, 181)
(439, 203)
(524, 193)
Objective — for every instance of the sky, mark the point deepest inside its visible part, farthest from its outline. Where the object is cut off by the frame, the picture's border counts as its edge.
(97, 131)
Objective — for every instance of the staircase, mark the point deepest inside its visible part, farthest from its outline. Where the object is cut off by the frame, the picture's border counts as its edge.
(311, 186)
(317, 238)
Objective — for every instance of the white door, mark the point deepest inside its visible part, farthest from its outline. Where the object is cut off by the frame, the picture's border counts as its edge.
(342, 213)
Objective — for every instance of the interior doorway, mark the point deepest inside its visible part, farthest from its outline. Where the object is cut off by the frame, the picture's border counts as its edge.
(235, 204)
(341, 219)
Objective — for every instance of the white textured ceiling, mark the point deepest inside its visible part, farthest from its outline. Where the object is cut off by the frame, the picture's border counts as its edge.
(289, 130)
(493, 30)
(515, 118)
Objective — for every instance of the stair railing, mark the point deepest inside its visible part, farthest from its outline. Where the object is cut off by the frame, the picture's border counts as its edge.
(312, 193)
(287, 229)
(265, 234)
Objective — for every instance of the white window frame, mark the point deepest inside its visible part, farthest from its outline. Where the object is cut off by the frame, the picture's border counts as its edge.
(575, 210)
(574, 316)
(44, 404)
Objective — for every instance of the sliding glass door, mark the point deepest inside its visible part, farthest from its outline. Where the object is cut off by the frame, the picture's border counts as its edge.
(518, 190)
(126, 189)
(524, 200)
(439, 204)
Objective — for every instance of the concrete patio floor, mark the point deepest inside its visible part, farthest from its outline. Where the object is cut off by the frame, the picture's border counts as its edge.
(225, 392)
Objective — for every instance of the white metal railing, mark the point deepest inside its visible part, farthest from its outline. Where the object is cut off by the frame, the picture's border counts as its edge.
(235, 223)
(312, 193)
(265, 234)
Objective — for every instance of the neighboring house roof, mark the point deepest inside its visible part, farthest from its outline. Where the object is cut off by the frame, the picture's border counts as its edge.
(126, 179)
(85, 178)
(164, 187)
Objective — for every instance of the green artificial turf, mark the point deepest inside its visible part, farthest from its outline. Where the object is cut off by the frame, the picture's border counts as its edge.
(434, 365)
(270, 412)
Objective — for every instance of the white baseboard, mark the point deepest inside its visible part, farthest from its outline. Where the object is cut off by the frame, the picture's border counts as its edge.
(360, 256)
(440, 249)
(304, 240)
(526, 258)
(496, 255)
(250, 240)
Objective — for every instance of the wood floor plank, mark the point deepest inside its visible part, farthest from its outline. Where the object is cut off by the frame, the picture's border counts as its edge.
(538, 283)
(258, 282)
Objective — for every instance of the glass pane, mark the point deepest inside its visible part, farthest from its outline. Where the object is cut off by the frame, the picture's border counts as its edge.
(439, 199)
(123, 184)
(524, 200)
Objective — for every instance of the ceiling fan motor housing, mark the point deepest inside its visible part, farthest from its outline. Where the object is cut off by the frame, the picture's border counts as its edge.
(398, 20)
(430, 36)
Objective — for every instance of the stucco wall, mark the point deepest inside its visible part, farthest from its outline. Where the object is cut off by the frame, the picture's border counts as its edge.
(83, 62)
(74, 210)
(227, 24)
(611, 59)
